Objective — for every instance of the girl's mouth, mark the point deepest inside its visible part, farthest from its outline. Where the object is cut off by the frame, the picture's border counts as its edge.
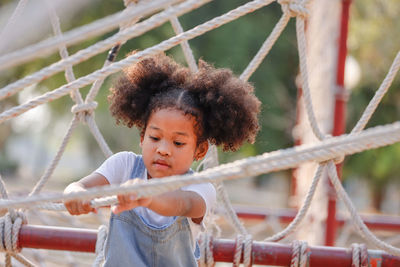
(161, 164)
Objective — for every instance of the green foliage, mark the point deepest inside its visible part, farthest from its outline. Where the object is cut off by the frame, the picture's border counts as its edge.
(373, 41)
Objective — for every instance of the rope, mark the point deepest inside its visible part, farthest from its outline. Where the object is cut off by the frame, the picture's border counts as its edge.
(84, 54)
(300, 254)
(10, 225)
(115, 67)
(268, 162)
(100, 245)
(361, 228)
(243, 245)
(301, 42)
(266, 47)
(359, 255)
(303, 210)
(290, 9)
(11, 22)
(187, 52)
(394, 68)
(247, 251)
(294, 8)
(238, 251)
(206, 250)
(74, 36)
(326, 152)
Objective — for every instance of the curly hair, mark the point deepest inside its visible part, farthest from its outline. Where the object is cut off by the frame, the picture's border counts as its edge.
(225, 107)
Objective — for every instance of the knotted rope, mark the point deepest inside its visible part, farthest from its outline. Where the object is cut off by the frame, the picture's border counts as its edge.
(10, 225)
(294, 8)
(243, 245)
(300, 254)
(100, 245)
(359, 255)
(206, 250)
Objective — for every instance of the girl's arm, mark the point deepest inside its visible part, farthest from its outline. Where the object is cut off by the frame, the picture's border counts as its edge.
(77, 207)
(175, 203)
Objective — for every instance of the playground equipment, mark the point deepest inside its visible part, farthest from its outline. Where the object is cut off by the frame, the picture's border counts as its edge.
(16, 233)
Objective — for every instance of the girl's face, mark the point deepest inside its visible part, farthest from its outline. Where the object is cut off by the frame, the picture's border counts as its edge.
(169, 143)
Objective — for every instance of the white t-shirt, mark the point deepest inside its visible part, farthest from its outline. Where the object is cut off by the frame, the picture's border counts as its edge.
(117, 169)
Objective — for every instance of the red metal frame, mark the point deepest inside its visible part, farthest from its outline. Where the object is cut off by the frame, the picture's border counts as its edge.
(373, 222)
(339, 121)
(83, 240)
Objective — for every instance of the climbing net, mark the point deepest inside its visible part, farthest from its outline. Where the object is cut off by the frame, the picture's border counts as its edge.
(326, 152)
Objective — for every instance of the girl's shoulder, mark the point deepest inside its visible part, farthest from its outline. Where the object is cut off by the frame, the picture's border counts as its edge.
(124, 159)
(118, 167)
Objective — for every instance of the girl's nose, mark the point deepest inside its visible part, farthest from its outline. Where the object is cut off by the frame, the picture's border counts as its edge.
(163, 149)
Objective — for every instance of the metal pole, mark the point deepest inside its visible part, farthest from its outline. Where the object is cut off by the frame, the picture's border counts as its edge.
(83, 240)
(285, 216)
(339, 118)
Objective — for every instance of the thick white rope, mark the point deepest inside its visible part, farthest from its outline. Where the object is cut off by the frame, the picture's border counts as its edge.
(359, 255)
(50, 169)
(84, 54)
(394, 68)
(100, 245)
(300, 254)
(247, 251)
(303, 210)
(229, 211)
(358, 222)
(301, 42)
(238, 251)
(187, 51)
(386, 83)
(79, 109)
(74, 36)
(268, 162)
(362, 229)
(206, 250)
(10, 226)
(115, 67)
(266, 47)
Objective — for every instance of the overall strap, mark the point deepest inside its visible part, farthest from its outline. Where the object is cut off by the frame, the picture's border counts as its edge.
(138, 168)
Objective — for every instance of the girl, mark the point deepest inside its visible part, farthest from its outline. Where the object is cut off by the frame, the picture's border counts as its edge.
(178, 114)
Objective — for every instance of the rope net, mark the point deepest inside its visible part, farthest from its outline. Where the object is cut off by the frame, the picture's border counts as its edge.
(326, 152)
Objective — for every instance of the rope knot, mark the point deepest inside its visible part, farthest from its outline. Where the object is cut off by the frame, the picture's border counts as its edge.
(100, 245)
(10, 225)
(359, 255)
(337, 160)
(300, 254)
(83, 109)
(206, 249)
(294, 8)
(243, 246)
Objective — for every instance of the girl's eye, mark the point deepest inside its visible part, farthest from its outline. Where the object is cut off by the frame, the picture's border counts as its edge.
(178, 143)
(154, 138)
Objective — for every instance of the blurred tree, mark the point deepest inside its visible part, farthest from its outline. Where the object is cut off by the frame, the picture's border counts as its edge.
(374, 42)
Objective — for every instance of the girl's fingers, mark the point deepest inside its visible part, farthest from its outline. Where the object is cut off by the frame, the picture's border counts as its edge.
(78, 207)
(118, 208)
(87, 207)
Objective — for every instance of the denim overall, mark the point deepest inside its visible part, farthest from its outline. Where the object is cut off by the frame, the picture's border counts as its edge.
(132, 241)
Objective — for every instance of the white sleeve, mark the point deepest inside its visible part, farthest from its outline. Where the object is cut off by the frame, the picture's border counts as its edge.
(117, 168)
(206, 191)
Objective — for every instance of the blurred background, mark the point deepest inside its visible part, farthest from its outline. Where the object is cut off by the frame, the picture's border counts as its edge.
(30, 141)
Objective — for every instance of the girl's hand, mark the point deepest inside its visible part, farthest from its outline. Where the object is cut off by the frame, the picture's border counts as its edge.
(77, 207)
(130, 201)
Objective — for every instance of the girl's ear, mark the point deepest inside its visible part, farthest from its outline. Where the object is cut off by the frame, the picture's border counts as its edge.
(201, 150)
(141, 140)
